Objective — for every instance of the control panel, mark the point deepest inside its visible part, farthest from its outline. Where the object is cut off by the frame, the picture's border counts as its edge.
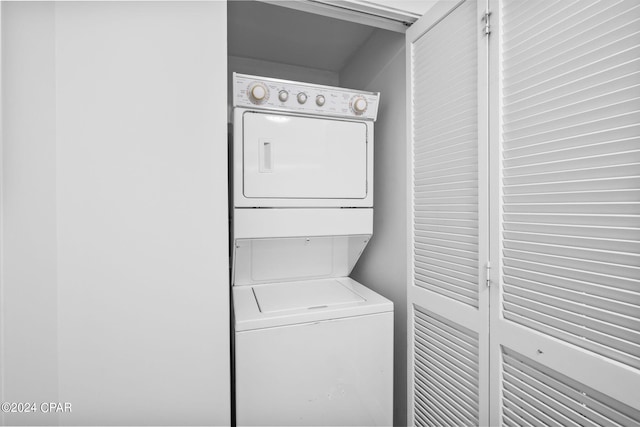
(283, 95)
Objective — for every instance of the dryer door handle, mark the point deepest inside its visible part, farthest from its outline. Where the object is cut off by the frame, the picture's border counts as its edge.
(266, 157)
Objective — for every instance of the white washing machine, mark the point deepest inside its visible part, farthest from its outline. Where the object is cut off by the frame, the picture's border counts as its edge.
(312, 346)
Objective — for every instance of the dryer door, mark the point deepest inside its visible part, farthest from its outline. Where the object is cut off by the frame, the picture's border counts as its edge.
(293, 157)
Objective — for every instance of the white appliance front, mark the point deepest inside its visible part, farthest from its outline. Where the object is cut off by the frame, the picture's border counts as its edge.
(328, 373)
(313, 353)
(289, 160)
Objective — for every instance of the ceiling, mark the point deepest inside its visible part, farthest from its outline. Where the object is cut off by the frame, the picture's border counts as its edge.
(278, 34)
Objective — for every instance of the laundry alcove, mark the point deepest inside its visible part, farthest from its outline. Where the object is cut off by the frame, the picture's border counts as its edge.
(267, 39)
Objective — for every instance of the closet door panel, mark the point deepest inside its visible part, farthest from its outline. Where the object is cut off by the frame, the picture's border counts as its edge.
(447, 298)
(565, 320)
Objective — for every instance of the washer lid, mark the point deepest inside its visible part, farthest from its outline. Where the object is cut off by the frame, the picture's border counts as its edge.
(256, 307)
(309, 295)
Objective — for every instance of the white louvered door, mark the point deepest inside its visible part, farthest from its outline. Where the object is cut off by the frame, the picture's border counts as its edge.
(565, 321)
(448, 300)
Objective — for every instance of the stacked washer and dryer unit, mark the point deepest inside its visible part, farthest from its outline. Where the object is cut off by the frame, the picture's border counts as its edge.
(312, 346)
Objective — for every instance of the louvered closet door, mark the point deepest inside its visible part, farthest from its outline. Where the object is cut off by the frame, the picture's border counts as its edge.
(565, 322)
(447, 297)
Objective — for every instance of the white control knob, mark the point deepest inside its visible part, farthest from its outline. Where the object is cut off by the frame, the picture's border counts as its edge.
(320, 100)
(258, 92)
(283, 95)
(302, 98)
(359, 105)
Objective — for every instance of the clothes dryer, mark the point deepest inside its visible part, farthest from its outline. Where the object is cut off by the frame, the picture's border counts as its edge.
(296, 152)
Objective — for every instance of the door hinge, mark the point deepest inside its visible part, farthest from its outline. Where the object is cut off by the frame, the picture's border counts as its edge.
(486, 18)
(487, 269)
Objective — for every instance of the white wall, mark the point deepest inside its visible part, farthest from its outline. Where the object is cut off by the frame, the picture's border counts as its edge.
(114, 246)
(28, 298)
(379, 66)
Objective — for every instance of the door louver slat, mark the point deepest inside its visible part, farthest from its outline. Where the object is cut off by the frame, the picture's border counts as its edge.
(446, 371)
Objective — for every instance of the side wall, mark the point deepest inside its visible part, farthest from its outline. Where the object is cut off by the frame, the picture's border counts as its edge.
(380, 67)
(114, 252)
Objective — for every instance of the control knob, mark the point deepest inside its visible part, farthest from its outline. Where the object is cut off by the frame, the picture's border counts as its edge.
(283, 95)
(320, 100)
(302, 98)
(359, 104)
(258, 93)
